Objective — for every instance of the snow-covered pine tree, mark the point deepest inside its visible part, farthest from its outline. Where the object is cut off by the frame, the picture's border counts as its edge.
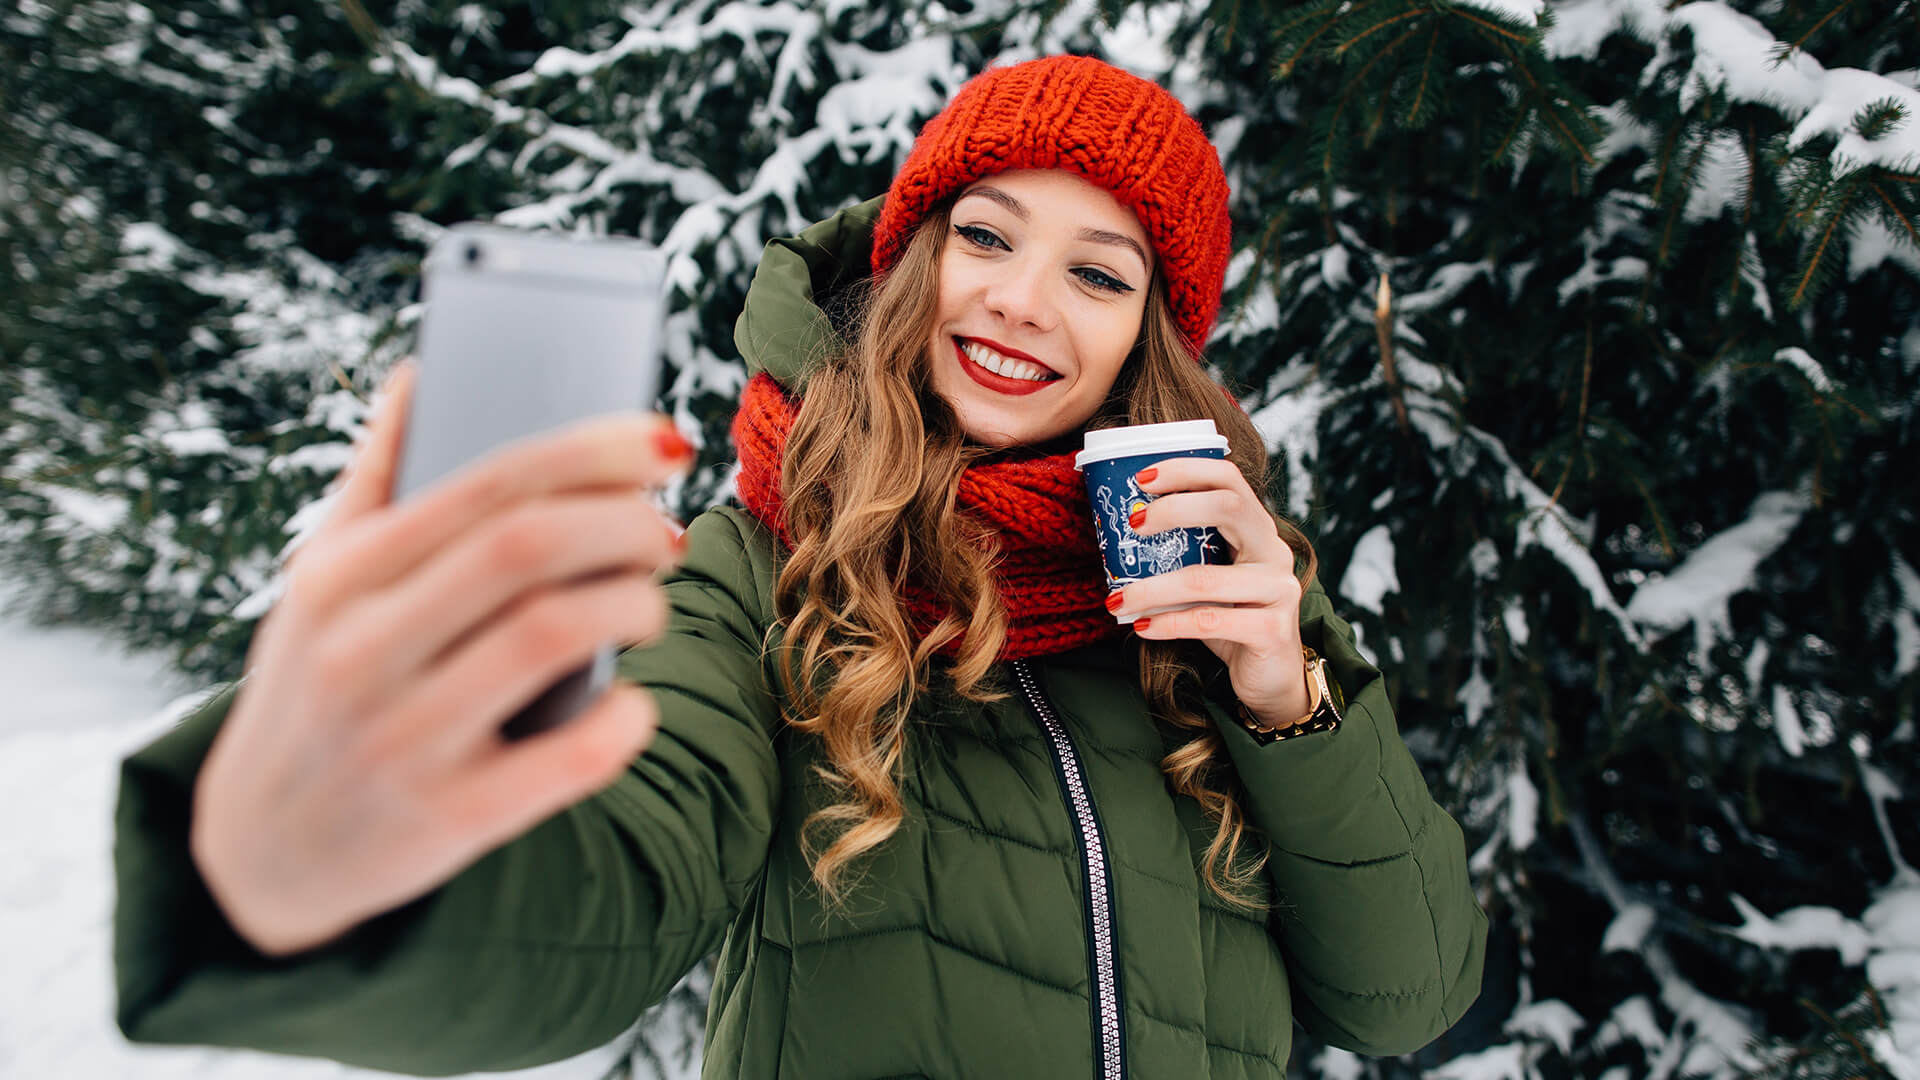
(1598, 413)
(184, 299)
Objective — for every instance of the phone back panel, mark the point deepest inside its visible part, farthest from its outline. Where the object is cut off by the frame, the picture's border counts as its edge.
(526, 332)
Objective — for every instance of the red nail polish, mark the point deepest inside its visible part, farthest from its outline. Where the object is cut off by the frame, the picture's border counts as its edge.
(1114, 600)
(672, 445)
(1140, 624)
(1145, 476)
(1134, 519)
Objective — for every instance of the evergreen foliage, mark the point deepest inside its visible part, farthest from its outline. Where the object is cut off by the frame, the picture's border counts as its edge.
(1587, 335)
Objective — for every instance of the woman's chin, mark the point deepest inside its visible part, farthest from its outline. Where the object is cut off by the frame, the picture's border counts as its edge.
(1016, 444)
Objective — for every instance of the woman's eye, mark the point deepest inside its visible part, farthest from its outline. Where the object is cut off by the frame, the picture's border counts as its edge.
(1103, 282)
(986, 238)
(977, 236)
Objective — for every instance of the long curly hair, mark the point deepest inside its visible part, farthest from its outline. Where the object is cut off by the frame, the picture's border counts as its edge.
(870, 480)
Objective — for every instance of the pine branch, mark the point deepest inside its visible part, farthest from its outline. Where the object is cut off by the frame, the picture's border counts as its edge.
(1383, 327)
(1520, 114)
(1233, 25)
(1819, 253)
(1753, 178)
(1666, 158)
(1784, 50)
(1426, 71)
(1492, 28)
(1548, 102)
(1580, 422)
(1878, 119)
(1346, 98)
(1905, 222)
(1664, 254)
(1376, 28)
(1333, 17)
(1315, 11)
(1659, 519)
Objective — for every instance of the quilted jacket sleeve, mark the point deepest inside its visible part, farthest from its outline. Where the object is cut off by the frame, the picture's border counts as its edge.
(547, 947)
(1382, 933)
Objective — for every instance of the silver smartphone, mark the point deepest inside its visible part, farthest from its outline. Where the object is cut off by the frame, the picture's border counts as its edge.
(525, 332)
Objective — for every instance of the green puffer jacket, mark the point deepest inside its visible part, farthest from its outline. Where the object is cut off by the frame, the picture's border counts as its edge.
(970, 949)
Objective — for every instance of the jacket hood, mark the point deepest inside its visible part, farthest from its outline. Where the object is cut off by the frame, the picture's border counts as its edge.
(785, 328)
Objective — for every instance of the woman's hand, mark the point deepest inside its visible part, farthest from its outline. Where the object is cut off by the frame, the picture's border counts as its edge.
(361, 764)
(1251, 617)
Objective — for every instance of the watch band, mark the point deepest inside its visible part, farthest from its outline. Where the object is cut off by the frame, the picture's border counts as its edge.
(1323, 713)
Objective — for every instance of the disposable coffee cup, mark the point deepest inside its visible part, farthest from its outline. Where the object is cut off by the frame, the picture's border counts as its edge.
(1109, 461)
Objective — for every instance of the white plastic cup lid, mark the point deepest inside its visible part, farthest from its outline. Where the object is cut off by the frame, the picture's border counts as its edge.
(1140, 439)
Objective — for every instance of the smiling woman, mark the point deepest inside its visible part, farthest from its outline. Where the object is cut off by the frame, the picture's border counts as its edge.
(939, 810)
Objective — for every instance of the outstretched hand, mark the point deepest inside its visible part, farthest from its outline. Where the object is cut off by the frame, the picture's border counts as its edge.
(361, 764)
(1250, 609)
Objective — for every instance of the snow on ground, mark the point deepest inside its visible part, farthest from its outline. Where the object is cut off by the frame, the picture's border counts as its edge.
(77, 706)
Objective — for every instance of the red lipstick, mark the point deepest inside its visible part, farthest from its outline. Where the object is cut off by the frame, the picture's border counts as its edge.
(994, 381)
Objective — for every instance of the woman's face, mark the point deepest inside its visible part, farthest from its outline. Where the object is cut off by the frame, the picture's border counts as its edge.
(1043, 276)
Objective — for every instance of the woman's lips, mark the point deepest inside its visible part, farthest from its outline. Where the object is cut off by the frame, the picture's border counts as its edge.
(997, 382)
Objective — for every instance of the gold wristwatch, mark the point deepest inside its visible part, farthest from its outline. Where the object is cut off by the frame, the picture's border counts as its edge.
(1323, 708)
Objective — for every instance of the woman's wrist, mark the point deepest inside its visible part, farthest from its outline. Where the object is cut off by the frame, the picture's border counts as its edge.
(1318, 714)
(1287, 714)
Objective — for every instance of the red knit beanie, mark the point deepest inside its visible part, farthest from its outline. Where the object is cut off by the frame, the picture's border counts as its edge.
(1118, 131)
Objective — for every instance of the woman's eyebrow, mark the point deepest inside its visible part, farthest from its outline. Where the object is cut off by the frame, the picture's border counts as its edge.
(1101, 236)
(1095, 236)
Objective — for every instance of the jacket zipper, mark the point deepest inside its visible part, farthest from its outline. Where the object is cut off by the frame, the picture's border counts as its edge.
(1108, 1057)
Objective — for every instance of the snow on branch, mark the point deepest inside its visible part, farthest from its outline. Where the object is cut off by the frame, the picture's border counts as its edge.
(687, 31)
(1802, 928)
(1709, 1037)
(1698, 589)
(1736, 54)
(1549, 526)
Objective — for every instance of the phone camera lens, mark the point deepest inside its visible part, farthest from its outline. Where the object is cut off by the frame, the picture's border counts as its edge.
(473, 254)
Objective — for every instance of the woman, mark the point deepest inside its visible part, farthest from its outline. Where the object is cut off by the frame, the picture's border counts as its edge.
(883, 741)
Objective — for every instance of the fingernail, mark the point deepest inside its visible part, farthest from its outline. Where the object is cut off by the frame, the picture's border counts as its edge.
(680, 543)
(1134, 519)
(1145, 476)
(1140, 624)
(1114, 600)
(672, 445)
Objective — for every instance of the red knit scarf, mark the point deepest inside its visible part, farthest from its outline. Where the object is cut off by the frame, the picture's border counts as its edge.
(1049, 576)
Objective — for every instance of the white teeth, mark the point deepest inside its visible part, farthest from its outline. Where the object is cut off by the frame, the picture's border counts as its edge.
(1000, 365)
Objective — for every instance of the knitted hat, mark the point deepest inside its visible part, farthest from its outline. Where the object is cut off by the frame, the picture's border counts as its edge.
(1115, 130)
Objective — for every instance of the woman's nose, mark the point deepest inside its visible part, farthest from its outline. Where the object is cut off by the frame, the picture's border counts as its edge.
(1021, 294)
